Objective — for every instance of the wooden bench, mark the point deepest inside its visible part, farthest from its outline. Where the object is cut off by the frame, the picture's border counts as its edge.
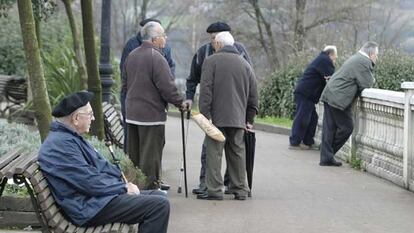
(114, 130)
(13, 90)
(23, 169)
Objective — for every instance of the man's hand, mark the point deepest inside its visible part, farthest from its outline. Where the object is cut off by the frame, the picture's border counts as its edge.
(132, 189)
(249, 126)
(327, 77)
(186, 105)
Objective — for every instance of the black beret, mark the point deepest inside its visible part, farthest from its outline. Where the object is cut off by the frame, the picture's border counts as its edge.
(72, 102)
(145, 21)
(218, 27)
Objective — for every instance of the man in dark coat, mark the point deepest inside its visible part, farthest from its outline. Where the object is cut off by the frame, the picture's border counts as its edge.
(342, 89)
(133, 43)
(229, 98)
(88, 188)
(307, 93)
(149, 86)
(194, 79)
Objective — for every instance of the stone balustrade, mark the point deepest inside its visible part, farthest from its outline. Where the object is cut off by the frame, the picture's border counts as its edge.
(382, 140)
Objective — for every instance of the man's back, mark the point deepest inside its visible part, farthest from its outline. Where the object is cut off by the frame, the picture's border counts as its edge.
(233, 87)
(353, 76)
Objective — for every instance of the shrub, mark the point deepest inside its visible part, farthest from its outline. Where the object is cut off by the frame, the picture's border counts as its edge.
(16, 135)
(393, 68)
(276, 92)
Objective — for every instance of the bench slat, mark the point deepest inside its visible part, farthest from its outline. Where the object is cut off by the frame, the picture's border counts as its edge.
(106, 228)
(115, 227)
(30, 171)
(7, 158)
(98, 229)
(9, 168)
(61, 227)
(37, 178)
(21, 163)
(125, 228)
(31, 158)
(51, 211)
(41, 186)
(47, 203)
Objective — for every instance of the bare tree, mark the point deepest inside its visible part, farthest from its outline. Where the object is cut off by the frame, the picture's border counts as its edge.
(94, 81)
(34, 64)
(76, 44)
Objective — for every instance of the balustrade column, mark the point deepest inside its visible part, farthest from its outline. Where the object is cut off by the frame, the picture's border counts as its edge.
(408, 87)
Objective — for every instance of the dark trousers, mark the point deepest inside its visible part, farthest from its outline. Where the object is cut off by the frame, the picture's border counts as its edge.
(145, 145)
(124, 124)
(203, 170)
(149, 209)
(337, 127)
(305, 122)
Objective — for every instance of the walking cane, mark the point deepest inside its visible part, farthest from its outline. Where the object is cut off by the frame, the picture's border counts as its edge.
(184, 165)
(108, 143)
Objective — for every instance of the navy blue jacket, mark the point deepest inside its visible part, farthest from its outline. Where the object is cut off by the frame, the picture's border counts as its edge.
(133, 43)
(198, 59)
(81, 180)
(313, 81)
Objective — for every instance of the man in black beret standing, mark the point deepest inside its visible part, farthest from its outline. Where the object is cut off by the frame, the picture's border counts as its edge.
(194, 79)
(88, 188)
(133, 43)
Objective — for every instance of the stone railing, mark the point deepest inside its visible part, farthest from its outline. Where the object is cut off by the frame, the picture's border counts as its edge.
(382, 140)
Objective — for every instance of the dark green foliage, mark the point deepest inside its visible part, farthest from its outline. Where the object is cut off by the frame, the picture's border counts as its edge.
(276, 96)
(61, 73)
(12, 59)
(392, 69)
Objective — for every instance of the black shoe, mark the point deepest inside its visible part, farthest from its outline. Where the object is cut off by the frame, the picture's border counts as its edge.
(239, 197)
(199, 190)
(332, 163)
(205, 196)
(164, 186)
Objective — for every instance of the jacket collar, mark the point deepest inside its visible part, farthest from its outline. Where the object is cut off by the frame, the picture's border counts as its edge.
(229, 49)
(147, 44)
(61, 127)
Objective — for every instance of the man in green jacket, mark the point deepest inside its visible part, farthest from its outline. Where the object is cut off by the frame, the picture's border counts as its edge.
(342, 89)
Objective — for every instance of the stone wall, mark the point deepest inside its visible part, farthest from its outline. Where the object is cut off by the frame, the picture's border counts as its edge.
(383, 135)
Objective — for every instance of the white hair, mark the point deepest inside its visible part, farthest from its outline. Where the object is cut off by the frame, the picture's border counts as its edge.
(150, 30)
(225, 38)
(330, 49)
(369, 48)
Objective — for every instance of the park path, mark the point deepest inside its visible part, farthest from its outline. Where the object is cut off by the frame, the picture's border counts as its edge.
(291, 193)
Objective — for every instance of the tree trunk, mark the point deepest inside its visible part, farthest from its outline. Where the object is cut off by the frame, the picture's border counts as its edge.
(268, 45)
(37, 30)
(94, 82)
(35, 68)
(299, 33)
(76, 44)
(144, 8)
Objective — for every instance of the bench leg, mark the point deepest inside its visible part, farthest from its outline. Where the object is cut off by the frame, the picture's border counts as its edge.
(18, 179)
(3, 185)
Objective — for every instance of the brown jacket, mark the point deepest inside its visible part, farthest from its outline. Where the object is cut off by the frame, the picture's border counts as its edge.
(149, 85)
(228, 92)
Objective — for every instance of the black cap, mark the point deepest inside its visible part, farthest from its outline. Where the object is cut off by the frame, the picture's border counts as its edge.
(218, 27)
(72, 102)
(145, 21)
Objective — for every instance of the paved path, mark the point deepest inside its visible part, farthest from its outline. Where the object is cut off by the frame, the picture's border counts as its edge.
(291, 193)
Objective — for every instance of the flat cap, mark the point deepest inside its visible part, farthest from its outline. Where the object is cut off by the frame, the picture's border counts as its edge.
(145, 21)
(72, 102)
(218, 27)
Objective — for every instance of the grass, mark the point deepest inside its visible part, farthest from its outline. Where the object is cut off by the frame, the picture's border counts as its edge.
(280, 121)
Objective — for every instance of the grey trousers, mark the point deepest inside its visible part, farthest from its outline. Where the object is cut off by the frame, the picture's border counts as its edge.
(235, 152)
(150, 209)
(145, 145)
(337, 127)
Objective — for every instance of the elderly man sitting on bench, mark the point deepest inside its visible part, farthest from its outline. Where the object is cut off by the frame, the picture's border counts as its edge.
(89, 189)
